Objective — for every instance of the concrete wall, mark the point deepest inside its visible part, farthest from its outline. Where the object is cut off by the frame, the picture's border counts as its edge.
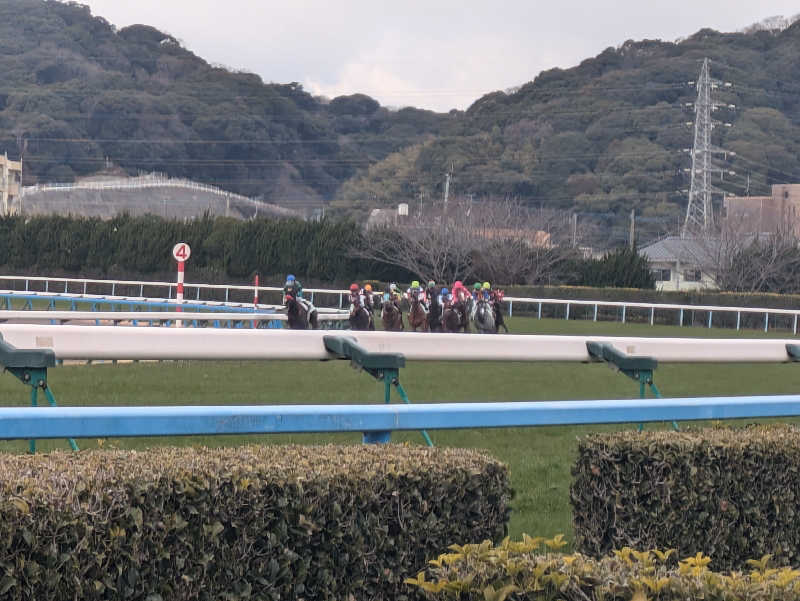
(167, 202)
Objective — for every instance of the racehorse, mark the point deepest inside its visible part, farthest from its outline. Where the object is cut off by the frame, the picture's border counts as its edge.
(484, 318)
(361, 319)
(434, 313)
(391, 316)
(417, 318)
(499, 322)
(297, 315)
(451, 320)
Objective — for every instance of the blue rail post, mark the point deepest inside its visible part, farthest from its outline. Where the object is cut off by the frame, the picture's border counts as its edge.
(381, 366)
(637, 368)
(30, 368)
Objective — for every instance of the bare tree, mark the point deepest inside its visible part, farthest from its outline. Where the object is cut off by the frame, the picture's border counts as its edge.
(740, 259)
(502, 241)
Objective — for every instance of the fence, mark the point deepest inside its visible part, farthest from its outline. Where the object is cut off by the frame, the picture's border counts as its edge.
(663, 313)
(109, 342)
(102, 422)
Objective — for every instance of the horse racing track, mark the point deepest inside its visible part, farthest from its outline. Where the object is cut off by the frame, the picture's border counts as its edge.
(540, 459)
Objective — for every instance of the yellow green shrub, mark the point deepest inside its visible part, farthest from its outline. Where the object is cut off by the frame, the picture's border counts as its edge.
(533, 570)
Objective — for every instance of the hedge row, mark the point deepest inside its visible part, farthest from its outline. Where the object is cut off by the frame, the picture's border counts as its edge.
(222, 249)
(732, 494)
(529, 570)
(268, 522)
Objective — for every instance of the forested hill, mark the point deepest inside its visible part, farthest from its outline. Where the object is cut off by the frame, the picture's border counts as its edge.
(604, 137)
(75, 92)
(612, 133)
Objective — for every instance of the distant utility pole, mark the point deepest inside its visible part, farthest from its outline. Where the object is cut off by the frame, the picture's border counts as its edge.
(699, 211)
(632, 233)
(574, 230)
(447, 185)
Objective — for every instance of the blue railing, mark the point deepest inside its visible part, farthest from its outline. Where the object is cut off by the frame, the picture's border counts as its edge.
(375, 421)
(94, 304)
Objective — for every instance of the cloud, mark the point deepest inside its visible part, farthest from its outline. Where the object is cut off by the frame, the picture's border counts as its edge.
(436, 55)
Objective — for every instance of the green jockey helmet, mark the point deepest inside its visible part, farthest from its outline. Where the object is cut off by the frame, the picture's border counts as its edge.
(476, 286)
(415, 284)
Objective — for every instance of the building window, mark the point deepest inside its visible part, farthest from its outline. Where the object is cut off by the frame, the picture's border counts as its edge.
(692, 275)
(662, 275)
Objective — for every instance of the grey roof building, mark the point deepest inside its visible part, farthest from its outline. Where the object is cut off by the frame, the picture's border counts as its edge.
(682, 263)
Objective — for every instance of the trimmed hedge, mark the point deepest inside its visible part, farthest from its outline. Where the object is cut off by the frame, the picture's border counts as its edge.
(529, 570)
(733, 494)
(335, 522)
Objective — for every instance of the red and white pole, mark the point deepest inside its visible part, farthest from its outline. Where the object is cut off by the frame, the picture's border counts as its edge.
(181, 252)
(179, 294)
(255, 299)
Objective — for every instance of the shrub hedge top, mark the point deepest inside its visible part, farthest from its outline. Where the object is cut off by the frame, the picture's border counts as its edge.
(779, 438)
(532, 570)
(59, 479)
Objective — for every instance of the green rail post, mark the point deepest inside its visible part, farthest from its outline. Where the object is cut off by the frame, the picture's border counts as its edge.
(637, 368)
(30, 368)
(381, 366)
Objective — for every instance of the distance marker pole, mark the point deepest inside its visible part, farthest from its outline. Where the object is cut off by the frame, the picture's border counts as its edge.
(181, 253)
(179, 294)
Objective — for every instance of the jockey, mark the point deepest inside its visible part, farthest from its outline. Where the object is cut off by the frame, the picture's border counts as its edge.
(486, 291)
(357, 299)
(416, 292)
(294, 288)
(476, 291)
(460, 292)
(394, 294)
(444, 298)
(368, 301)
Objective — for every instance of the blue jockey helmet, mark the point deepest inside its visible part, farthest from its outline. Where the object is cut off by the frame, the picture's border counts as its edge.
(290, 278)
(445, 291)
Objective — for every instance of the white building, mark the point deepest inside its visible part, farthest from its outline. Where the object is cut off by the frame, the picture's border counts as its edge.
(682, 263)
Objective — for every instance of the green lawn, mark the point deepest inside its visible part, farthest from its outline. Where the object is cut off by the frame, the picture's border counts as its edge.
(540, 459)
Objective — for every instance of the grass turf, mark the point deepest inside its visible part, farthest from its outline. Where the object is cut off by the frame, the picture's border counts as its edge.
(540, 459)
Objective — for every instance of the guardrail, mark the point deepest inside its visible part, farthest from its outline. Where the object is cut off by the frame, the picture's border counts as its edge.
(372, 420)
(622, 308)
(109, 342)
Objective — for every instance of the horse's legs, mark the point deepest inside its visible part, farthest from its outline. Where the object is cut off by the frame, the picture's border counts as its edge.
(314, 321)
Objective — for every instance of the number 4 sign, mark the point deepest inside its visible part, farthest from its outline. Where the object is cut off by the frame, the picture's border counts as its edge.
(181, 252)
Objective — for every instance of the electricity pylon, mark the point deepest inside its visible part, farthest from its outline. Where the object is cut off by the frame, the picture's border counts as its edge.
(699, 212)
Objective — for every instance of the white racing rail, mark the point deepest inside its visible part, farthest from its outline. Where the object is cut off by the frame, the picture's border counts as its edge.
(110, 342)
(145, 316)
(193, 294)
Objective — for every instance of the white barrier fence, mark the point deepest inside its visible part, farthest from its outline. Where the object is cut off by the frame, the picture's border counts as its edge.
(622, 309)
(110, 342)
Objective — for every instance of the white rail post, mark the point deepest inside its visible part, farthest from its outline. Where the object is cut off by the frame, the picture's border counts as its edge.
(623, 313)
(540, 309)
(680, 321)
(710, 315)
(794, 325)
(510, 308)
(566, 316)
(739, 319)
(766, 320)
(652, 315)
(595, 312)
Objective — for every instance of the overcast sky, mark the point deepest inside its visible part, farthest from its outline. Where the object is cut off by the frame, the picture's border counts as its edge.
(433, 54)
